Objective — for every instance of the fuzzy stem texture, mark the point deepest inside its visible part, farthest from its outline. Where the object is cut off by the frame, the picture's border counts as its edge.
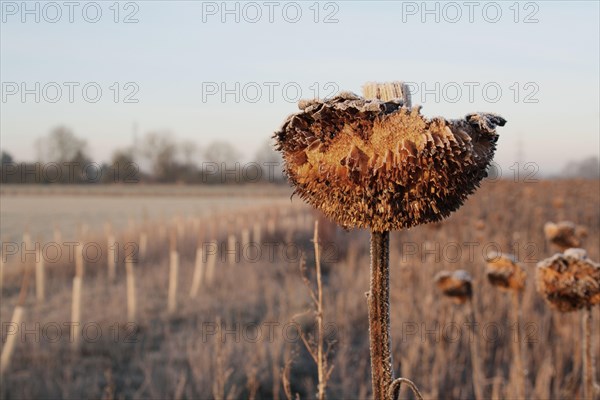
(379, 315)
(320, 356)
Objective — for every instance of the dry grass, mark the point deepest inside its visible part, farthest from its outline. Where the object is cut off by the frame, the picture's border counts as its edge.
(182, 355)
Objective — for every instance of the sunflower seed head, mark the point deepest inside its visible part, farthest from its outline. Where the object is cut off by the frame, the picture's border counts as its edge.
(504, 272)
(564, 234)
(377, 164)
(569, 281)
(457, 285)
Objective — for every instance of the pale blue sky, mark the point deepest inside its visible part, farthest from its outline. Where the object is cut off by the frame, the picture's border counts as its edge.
(171, 51)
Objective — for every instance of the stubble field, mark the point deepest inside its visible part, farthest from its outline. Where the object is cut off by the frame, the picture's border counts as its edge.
(237, 335)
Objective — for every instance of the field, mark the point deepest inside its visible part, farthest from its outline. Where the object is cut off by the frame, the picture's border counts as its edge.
(143, 333)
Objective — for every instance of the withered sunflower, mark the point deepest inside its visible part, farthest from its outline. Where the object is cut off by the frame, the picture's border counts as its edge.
(504, 272)
(371, 163)
(375, 162)
(457, 285)
(571, 282)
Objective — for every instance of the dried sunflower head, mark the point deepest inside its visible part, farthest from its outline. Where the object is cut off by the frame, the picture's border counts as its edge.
(371, 163)
(504, 272)
(564, 234)
(457, 285)
(569, 281)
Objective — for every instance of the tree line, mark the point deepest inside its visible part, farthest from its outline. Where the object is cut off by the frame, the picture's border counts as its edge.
(63, 157)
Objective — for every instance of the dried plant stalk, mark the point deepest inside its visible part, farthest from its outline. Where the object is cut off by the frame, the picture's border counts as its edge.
(173, 269)
(76, 310)
(517, 353)
(256, 233)
(130, 279)
(285, 377)
(319, 305)
(394, 391)
(1, 274)
(110, 257)
(77, 289)
(79, 262)
(271, 224)
(17, 317)
(210, 263)
(378, 299)
(504, 272)
(317, 350)
(198, 273)
(57, 235)
(173, 276)
(458, 286)
(245, 236)
(143, 244)
(476, 364)
(9, 345)
(588, 359)
(198, 276)
(40, 283)
(26, 239)
(231, 249)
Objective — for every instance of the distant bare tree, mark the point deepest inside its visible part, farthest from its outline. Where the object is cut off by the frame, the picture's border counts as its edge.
(122, 167)
(221, 164)
(160, 150)
(62, 146)
(222, 152)
(189, 153)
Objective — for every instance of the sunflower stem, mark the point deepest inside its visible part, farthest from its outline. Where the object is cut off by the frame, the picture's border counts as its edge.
(378, 297)
(517, 353)
(378, 300)
(476, 365)
(588, 363)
